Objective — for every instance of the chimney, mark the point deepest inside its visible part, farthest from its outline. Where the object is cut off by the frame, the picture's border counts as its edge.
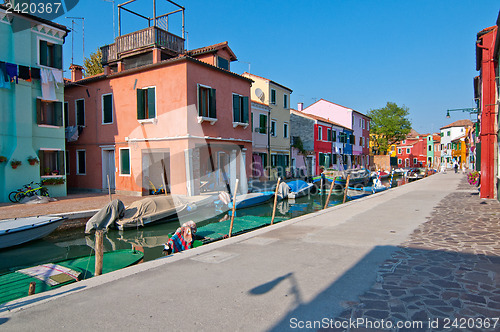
(300, 107)
(76, 72)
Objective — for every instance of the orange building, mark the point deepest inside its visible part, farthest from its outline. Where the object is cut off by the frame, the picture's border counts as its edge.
(159, 113)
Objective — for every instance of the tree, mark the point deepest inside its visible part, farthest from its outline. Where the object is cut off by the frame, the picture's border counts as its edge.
(93, 65)
(389, 125)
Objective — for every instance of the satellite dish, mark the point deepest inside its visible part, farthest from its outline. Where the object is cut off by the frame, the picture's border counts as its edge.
(260, 94)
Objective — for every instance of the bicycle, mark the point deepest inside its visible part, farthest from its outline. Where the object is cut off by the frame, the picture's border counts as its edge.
(28, 190)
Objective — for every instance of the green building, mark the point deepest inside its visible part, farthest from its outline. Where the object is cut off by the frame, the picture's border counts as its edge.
(31, 118)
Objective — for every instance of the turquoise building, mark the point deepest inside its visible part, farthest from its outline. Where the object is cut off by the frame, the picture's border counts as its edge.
(430, 150)
(31, 103)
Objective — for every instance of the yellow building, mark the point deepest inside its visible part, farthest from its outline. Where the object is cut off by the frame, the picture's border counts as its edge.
(277, 97)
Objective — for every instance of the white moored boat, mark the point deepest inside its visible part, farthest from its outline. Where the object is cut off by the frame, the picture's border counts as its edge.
(21, 230)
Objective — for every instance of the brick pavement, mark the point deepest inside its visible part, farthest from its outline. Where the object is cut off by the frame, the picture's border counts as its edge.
(448, 269)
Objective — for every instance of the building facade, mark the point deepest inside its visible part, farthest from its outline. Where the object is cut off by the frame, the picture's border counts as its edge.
(31, 103)
(448, 134)
(260, 140)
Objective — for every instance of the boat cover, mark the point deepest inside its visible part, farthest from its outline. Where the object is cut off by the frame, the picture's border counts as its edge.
(297, 185)
(106, 216)
(156, 208)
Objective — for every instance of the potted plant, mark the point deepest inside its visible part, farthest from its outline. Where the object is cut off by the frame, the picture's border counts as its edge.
(33, 160)
(3, 159)
(14, 163)
(55, 172)
(52, 181)
(46, 171)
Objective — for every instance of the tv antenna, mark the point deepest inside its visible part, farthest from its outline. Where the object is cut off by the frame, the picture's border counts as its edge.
(72, 36)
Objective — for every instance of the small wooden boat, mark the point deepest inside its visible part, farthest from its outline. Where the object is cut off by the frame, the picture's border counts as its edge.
(251, 199)
(356, 176)
(21, 230)
(49, 276)
(368, 189)
(298, 188)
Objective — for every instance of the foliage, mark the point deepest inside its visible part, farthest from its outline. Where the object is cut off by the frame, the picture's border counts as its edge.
(3, 159)
(14, 163)
(297, 143)
(33, 160)
(52, 181)
(93, 65)
(473, 178)
(389, 125)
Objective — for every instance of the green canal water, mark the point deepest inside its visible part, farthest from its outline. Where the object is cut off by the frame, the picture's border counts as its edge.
(68, 244)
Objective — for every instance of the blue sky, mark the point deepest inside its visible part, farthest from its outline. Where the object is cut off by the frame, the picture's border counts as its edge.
(356, 53)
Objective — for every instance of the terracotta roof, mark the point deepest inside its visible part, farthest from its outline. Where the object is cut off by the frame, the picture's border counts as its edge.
(436, 138)
(319, 118)
(268, 80)
(212, 48)
(459, 123)
(260, 103)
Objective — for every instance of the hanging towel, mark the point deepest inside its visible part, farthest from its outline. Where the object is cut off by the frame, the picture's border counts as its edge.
(24, 73)
(35, 73)
(48, 86)
(4, 84)
(12, 71)
(3, 69)
(58, 76)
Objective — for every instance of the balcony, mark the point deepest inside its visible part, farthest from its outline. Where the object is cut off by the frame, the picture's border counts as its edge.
(140, 40)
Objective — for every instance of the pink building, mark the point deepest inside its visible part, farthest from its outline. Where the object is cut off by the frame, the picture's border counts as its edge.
(160, 113)
(349, 118)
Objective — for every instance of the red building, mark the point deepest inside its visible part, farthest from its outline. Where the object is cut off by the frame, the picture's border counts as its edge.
(412, 152)
(487, 45)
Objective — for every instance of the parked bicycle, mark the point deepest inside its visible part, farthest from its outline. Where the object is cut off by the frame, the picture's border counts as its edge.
(28, 190)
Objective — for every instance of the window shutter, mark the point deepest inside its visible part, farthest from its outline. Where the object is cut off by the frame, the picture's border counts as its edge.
(329, 134)
(125, 161)
(245, 109)
(43, 52)
(107, 105)
(58, 59)
(200, 109)
(41, 156)
(80, 112)
(236, 108)
(151, 103)
(141, 112)
(66, 114)
(212, 111)
(38, 111)
(60, 162)
(262, 123)
(58, 114)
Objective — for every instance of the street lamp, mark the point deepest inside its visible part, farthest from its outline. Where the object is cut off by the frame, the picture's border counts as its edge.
(469, 110)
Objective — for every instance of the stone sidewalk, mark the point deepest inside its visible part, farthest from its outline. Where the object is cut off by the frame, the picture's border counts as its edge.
(447, 273)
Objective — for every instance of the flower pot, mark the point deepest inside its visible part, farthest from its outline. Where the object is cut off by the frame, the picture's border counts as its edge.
(14, 166)
(32, 163)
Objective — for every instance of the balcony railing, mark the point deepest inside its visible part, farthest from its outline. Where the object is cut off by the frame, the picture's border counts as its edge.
(152, 36)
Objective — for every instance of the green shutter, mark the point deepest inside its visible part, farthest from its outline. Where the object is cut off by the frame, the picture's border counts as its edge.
(236, 108)
(262, 123)
(41, 156)
(329, 135)
(334, 137)
(124, 161)
(200, 109)
(141, 112)
(107, 105)
(58, 59)
(245, 109)
(60, 162)
(43, 53)
(212, 111)
(80, 112)
(58, 114)
(151, 103)
(38, 111)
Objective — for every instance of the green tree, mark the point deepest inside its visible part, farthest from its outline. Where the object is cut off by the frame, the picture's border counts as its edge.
(93, 65)
(389, 125)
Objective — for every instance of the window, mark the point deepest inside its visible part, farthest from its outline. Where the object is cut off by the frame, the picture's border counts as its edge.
(262, 123)
(206, 102)
(49, 113)
(329, 135)
(107, 108)
(403, 142)
(442, 134)
(342, 138)
(367, 125)
(80, 112)
(50, 54)
(273, 127)
(146, 103)
(414, 161)
(273, 96)
(80, 162)
(285, 130)
(407, 150)
(352, 139)
(67, 162)
(360, 123)
(66, 114)
(449, 146)
(362, 141)
(320, 133)
(222, 63)
(240, 109)
(399, 161)
(430, 147)
(125, 161)
(51, 161)
(448, 133)
(399, 150)
(334, 136)
(285, 101)
(442, 146)
(364, 123)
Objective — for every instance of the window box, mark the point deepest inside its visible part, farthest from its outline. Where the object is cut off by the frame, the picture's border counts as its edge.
(52, 181)
(236, 124)
(201, 119)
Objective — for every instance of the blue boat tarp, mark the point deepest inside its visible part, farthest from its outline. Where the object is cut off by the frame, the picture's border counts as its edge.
(298, 185)
(252, 199)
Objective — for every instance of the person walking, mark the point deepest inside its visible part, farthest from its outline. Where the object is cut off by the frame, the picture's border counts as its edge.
(455, 166)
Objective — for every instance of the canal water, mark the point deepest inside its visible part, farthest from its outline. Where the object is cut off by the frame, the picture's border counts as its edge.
(68, 244)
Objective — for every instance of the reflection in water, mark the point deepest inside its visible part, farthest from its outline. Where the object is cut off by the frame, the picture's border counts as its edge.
(74, 243)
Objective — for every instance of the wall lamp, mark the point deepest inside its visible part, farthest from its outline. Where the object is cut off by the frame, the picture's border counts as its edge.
(469, 110)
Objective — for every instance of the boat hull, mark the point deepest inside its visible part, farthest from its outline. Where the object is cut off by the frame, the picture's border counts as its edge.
(14, 232)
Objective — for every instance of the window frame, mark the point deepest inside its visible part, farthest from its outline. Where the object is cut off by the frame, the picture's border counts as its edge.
(263, 130)
(286, 104)
(320, 133)
(77, 172)
(120, 173)
(102, 108)
(272, 97)
(76, 112)
(274, 124)
(147, 119)
(201, 115)
(408, 150)
(40, 104)
(241, 109)
(52, 64)
(62, 171)
(285, 131)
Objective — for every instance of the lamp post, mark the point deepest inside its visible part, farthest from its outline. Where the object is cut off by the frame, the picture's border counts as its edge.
(469, 110)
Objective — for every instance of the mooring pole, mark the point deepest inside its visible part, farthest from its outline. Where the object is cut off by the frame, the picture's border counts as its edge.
(233, 212)
(99, 252)
(346, 187)
(32, 288)
(329, 194)
(275, 199)
(109, 189)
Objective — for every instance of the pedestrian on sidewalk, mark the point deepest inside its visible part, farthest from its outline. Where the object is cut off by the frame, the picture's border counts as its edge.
(455, 166)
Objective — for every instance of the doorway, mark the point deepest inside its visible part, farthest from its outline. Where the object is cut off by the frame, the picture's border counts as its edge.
(108, 169)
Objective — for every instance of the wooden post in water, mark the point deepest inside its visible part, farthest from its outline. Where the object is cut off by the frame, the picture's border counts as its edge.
(32, 288)
(164, 183)
(346, 187)
(329, 194)
(233, 212)
(99, 252)
(109, 189)
(275, 199)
